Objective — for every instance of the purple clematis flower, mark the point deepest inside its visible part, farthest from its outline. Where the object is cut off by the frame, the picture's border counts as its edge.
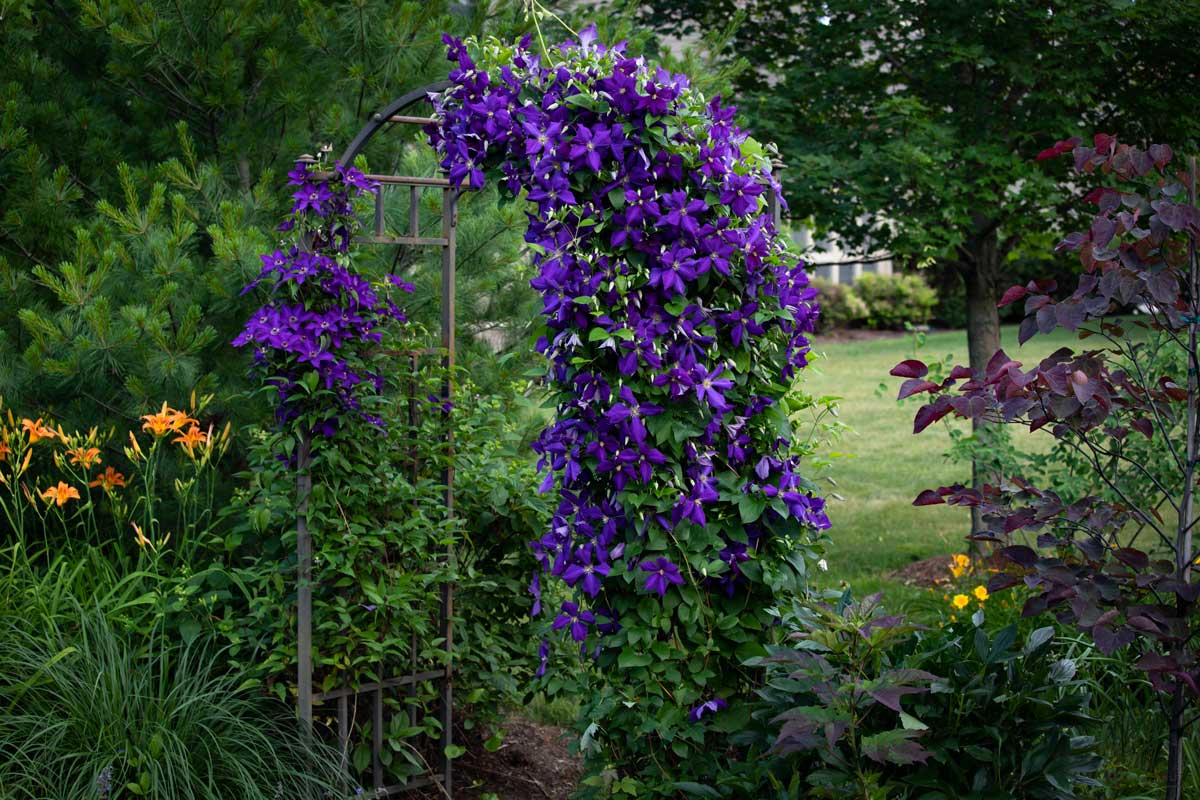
(577, 619)
(707, 707)
(312, 198)
(709, 387)
(683, 212)
(661, 573)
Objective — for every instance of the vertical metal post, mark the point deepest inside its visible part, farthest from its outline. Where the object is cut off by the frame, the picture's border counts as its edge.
(377, 739)
(304, 583)
(414, 475)
(343, 713)
(449, 224)
(414, 207)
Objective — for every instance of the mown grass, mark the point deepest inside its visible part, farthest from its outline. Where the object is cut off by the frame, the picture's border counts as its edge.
(876, 529)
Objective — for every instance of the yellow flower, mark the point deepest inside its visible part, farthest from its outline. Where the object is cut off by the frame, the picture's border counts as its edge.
(85, 457)
(60, 494)
(138, 536)
(36, 430)
(108, 480)
(959, 564)
(981, 593)
(191, 439)
(960, 601)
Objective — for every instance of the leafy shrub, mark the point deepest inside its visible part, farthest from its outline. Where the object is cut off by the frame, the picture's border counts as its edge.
(1005, 719)
(870, 705)
(893, 300)
(1099, 402)
(87, 713)
(840, 305)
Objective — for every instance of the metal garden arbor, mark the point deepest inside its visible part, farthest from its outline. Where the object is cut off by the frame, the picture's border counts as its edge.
(344, 702)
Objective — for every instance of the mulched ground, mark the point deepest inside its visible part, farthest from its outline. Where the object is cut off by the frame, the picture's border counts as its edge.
(531, 764)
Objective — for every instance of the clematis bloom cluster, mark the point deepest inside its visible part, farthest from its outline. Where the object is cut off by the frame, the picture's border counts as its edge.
(673, 313)
(322, 316)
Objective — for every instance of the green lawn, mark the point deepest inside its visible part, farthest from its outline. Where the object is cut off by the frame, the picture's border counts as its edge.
(876, 529)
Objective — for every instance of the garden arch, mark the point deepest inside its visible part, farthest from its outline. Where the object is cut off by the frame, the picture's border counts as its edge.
(347, 698)
(675, 317)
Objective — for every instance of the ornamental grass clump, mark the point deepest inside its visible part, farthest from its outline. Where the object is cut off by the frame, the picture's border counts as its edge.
(675, 319)
(87, 713)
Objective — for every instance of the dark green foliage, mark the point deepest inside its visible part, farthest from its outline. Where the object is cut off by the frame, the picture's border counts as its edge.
(501, 512)
(925, 116)
(838, 693)
(1006, 719)
(893, 301)
(106, 694)
(840, 305)
(889, 709)
(380, 542)
(142, 146)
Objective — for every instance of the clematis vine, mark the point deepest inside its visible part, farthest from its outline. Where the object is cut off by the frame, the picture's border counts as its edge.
(321, 318)
(674, 318)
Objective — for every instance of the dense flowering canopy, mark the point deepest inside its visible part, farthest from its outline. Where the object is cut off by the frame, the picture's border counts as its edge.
(674, 317)
(322, 317)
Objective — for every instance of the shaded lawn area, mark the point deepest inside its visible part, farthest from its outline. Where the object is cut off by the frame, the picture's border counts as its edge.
(876, 529)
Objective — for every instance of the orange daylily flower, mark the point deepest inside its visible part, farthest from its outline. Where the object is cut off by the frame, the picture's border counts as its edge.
(191, 439)
(36, 430)
(166, 420)
(60, 494)
(108, 480)
(4, 448)
(85, 457)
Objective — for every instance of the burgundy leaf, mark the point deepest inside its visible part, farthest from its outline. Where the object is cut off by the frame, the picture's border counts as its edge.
(915, 386)
(931, 413)
(1082, 155)
(999, 364)
(1082, 386)
(1069, 314)
(1170, 214)
(1161, 153)
(1021, 555)
(1109, 201)
(929, 497)
(1014, 294)
(910, 368)
(960, 372)
(1143, 426)
(1108, 642)
(1163, 286)
(1046, 319)
(1103, 229)
(1059, 148)
(1132, 558)
(890, 695)
(1141, 160)
(1028, 330)
(1072, 243)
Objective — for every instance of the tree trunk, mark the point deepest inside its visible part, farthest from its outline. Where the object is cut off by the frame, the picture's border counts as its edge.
(981, 277)
(1175, 743)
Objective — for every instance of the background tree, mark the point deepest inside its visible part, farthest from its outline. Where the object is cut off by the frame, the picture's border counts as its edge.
(912, 126)
(141, 147)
